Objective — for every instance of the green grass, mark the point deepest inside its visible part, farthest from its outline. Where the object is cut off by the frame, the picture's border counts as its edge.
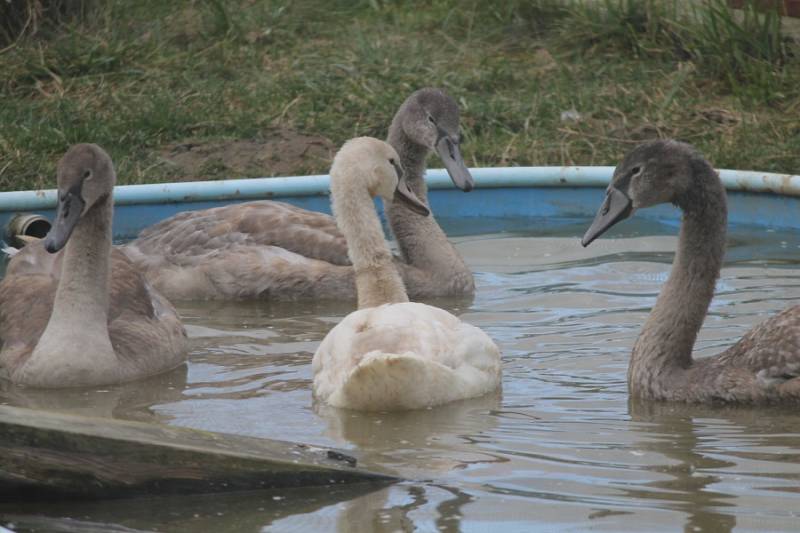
(137, 76)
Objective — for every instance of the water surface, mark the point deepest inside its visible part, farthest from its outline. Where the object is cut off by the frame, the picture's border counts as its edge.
(560, 448)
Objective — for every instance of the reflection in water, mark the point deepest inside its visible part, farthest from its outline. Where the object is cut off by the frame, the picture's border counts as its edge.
(694, 437)
(423, 443)
(220, 513)
(689, 483)
(560, 449)
(130, 401)
(451, 511)
(406, 507)
(372, 513)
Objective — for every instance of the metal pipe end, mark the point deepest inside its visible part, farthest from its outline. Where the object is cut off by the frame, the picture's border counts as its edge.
(25, 228)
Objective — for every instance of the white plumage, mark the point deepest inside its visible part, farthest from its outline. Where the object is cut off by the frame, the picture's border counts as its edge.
(404, 356)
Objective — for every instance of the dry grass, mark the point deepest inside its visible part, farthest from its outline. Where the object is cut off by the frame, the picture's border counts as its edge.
(20, 18)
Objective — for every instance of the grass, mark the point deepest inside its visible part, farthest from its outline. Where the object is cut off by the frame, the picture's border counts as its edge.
(135, 77)
(27, 17)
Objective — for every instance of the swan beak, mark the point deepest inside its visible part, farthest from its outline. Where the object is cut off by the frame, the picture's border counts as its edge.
(450, 154)
(68, 211)
(404, 194)
(616, 207)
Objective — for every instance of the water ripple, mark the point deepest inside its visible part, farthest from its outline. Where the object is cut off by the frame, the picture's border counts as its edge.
(561, 448)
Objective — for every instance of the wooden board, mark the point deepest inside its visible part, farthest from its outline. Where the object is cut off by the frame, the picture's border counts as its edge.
(46, 455)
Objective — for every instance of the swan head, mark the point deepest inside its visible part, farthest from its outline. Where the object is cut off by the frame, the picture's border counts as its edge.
(371, 164)
(654, 172)
(85, 176)
(430, 118)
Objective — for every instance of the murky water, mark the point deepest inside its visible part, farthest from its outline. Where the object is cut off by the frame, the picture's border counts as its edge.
(559, 449)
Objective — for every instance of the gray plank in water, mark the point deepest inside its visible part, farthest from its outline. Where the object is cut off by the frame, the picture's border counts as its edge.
(231, 512)
(48, 455)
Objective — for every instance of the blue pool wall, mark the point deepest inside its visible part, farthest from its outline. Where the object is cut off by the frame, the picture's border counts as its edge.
(542, 194)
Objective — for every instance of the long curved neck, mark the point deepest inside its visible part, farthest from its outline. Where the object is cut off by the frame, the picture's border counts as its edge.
(668, 336)
(83, 290)
(377, 279)
(413, 157)
(75, 347)
(422, 242)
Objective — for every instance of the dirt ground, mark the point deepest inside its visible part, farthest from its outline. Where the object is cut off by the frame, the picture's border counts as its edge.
(282, 153)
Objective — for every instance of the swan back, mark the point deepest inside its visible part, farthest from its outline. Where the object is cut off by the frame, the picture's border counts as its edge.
(404, 356)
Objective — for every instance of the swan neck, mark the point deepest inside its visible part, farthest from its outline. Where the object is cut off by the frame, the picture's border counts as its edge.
(667, 339)
(83, 291)
(413, 157)
(377, 279)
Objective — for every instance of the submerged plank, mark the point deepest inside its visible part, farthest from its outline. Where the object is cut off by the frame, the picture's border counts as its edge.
(219, 512)
(47, 455)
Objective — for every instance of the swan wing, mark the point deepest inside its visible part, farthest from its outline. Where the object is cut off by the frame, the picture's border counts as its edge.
(148, 336)
(34, 259)
(771, 350)
(26, 302)
(252, 271)
(266, 223)
(27, 292)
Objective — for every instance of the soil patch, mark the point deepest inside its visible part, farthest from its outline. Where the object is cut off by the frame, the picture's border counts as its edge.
(284, 153)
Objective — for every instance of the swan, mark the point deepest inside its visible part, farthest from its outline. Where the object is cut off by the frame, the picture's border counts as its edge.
(84, 316)
(391, 354)
(272, 250)
(764, 366)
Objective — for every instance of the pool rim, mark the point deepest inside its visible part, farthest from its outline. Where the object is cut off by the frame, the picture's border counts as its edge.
(437, 179)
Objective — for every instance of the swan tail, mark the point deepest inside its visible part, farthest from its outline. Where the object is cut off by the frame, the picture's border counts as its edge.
(394, 382)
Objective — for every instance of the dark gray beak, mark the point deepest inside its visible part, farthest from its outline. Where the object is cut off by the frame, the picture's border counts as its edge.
(450, 154)
(404, 194)
(68, 212)
(616, 207)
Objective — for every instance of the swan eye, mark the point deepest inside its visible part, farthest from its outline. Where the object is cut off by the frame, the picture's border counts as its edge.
(398, 170)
